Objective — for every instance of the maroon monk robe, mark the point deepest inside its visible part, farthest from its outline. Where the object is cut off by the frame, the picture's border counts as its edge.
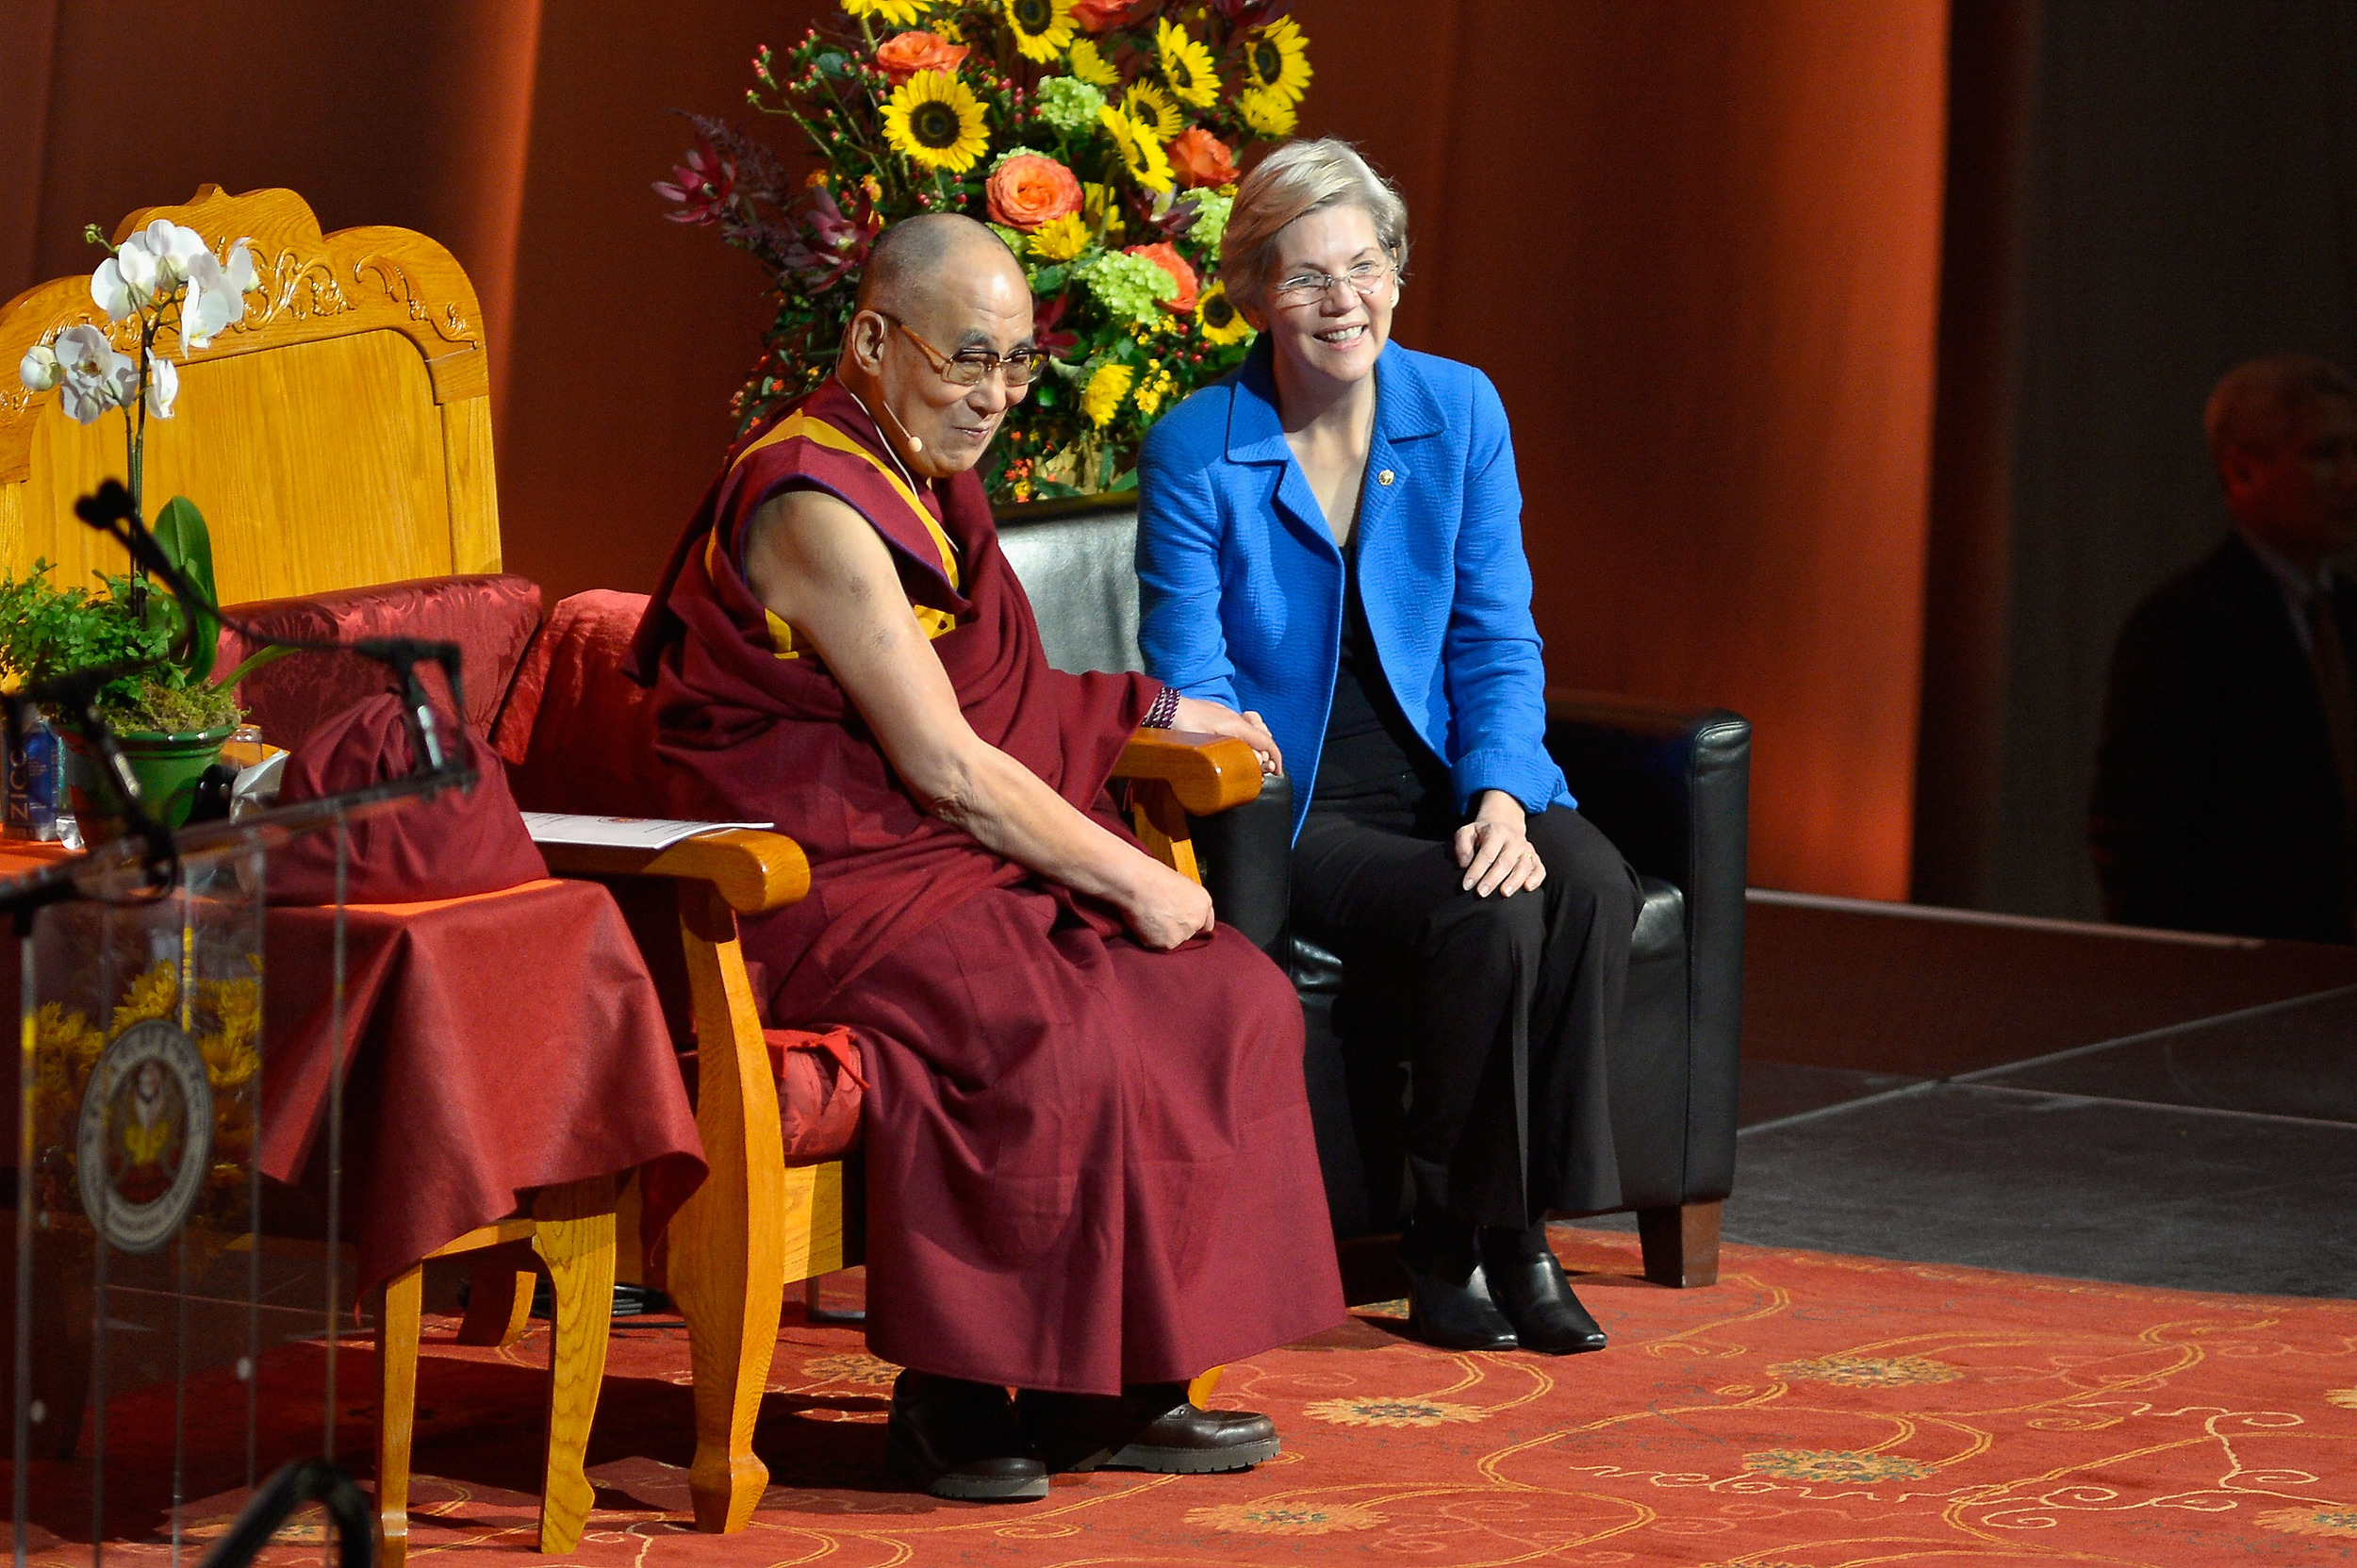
(1088, 1163)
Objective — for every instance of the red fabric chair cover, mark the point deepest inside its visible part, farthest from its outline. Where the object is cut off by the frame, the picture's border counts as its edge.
(459, 842)
(491, 618)
(578, 734)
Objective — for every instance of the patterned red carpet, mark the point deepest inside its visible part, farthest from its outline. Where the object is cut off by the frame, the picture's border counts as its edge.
(1811, 1411)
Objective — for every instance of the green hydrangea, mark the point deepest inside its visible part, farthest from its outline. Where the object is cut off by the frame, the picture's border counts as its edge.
(1069, 104)
(1210, 219)
(1128, 287)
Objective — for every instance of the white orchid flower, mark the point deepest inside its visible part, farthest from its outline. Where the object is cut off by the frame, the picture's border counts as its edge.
(213, 301)
(163, 385)
(39, 369)
(153, 261)
(243, 276)
(83, 351)
(176, 246)
(93, 376)
(124, 283)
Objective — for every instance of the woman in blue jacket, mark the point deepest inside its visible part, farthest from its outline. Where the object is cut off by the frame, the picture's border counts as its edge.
(1332, 537)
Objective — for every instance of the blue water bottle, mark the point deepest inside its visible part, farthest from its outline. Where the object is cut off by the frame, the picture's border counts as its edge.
(34, 782)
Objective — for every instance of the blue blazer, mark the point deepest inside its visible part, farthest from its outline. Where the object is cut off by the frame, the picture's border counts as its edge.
(1241, 585)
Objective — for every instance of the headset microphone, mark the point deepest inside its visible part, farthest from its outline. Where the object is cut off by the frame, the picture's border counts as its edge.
(915, 442)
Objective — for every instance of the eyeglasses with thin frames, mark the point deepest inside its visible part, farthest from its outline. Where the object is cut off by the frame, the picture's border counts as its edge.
(1305, 288)
(972, 366)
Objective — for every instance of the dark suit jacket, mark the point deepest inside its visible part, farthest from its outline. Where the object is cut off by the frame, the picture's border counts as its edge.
(2216, 805)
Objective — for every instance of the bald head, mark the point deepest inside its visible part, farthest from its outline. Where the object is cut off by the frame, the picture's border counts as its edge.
(936, 287)
(917, 257)
(2261, 403)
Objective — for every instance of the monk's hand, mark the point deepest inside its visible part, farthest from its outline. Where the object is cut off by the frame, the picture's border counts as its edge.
(1495, 848)
(1164, 908)
(1210, 718)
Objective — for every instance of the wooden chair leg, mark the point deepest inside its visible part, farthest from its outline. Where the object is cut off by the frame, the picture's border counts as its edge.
(574, 1235)
(727, 1253)
(397, 1304)
(1681, 1244)
(498, 1303)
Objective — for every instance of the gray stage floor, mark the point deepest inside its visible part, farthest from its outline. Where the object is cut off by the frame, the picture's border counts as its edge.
(2218, 1155)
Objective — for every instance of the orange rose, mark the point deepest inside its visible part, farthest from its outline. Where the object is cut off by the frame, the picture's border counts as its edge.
(1198, 158)
(906, 54)
(1095, 16)
(1162, 254)
(1029, 190)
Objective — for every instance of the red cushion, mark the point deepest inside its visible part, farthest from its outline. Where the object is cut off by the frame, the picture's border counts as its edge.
(821, 1087)
(577, 733)
(456, 842)
(491, 618)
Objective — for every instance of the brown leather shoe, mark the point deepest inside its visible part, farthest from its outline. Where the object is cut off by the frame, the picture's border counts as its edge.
(1151, 1426)
(961, 1440)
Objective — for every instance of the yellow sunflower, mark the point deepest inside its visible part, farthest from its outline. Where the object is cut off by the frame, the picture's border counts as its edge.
(1187, 66)
(1041, 27)
(1267, 110)
(1100, 208)
(1148, 163)
(1278, 60)
(153, 995)
(1221, 323)
(1061, 238)
(1151, 107)
(1089, 65)
(892, 13)
(936, 122)
(1106, 390)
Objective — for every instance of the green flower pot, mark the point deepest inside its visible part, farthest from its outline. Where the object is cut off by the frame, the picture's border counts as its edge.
(166, 766)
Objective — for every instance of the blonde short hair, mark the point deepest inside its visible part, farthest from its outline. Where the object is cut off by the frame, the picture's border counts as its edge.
(1295, 180)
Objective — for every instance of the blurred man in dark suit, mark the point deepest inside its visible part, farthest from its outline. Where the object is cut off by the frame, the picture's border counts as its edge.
(2226, 785)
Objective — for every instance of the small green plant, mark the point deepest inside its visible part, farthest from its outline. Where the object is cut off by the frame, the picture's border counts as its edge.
(46, 631)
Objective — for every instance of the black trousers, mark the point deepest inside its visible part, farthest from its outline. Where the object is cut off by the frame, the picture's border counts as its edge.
(1504, 1009)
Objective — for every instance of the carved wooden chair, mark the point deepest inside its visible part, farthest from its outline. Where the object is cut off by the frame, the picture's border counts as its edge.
(583, 741)
(339, 436)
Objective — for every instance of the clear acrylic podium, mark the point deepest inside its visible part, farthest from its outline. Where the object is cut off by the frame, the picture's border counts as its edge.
(172, 1318)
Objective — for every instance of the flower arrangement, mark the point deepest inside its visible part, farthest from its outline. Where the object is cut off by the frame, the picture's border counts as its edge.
(226, 1017)
(1098, 137)
(162, 280)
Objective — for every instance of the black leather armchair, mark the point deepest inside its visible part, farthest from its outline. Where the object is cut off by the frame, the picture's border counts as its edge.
(1670, 786)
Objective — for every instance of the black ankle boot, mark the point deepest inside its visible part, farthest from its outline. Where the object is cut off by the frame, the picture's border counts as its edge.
(961, 1440)
(1531, 1290)
(1448, 1305)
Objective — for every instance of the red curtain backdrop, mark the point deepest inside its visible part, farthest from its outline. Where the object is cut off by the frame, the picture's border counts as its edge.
(1696, 242)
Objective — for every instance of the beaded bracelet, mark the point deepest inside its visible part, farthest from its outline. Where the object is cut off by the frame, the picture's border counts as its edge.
(1164, 709)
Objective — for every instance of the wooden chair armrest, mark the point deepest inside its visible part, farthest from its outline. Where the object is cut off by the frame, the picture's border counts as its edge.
(753, 870)
(1208, 773)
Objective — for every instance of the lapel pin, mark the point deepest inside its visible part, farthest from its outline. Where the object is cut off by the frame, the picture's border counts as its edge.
(1383, 478)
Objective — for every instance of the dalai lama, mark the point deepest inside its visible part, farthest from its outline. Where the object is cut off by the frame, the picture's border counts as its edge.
(1090, 1169)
